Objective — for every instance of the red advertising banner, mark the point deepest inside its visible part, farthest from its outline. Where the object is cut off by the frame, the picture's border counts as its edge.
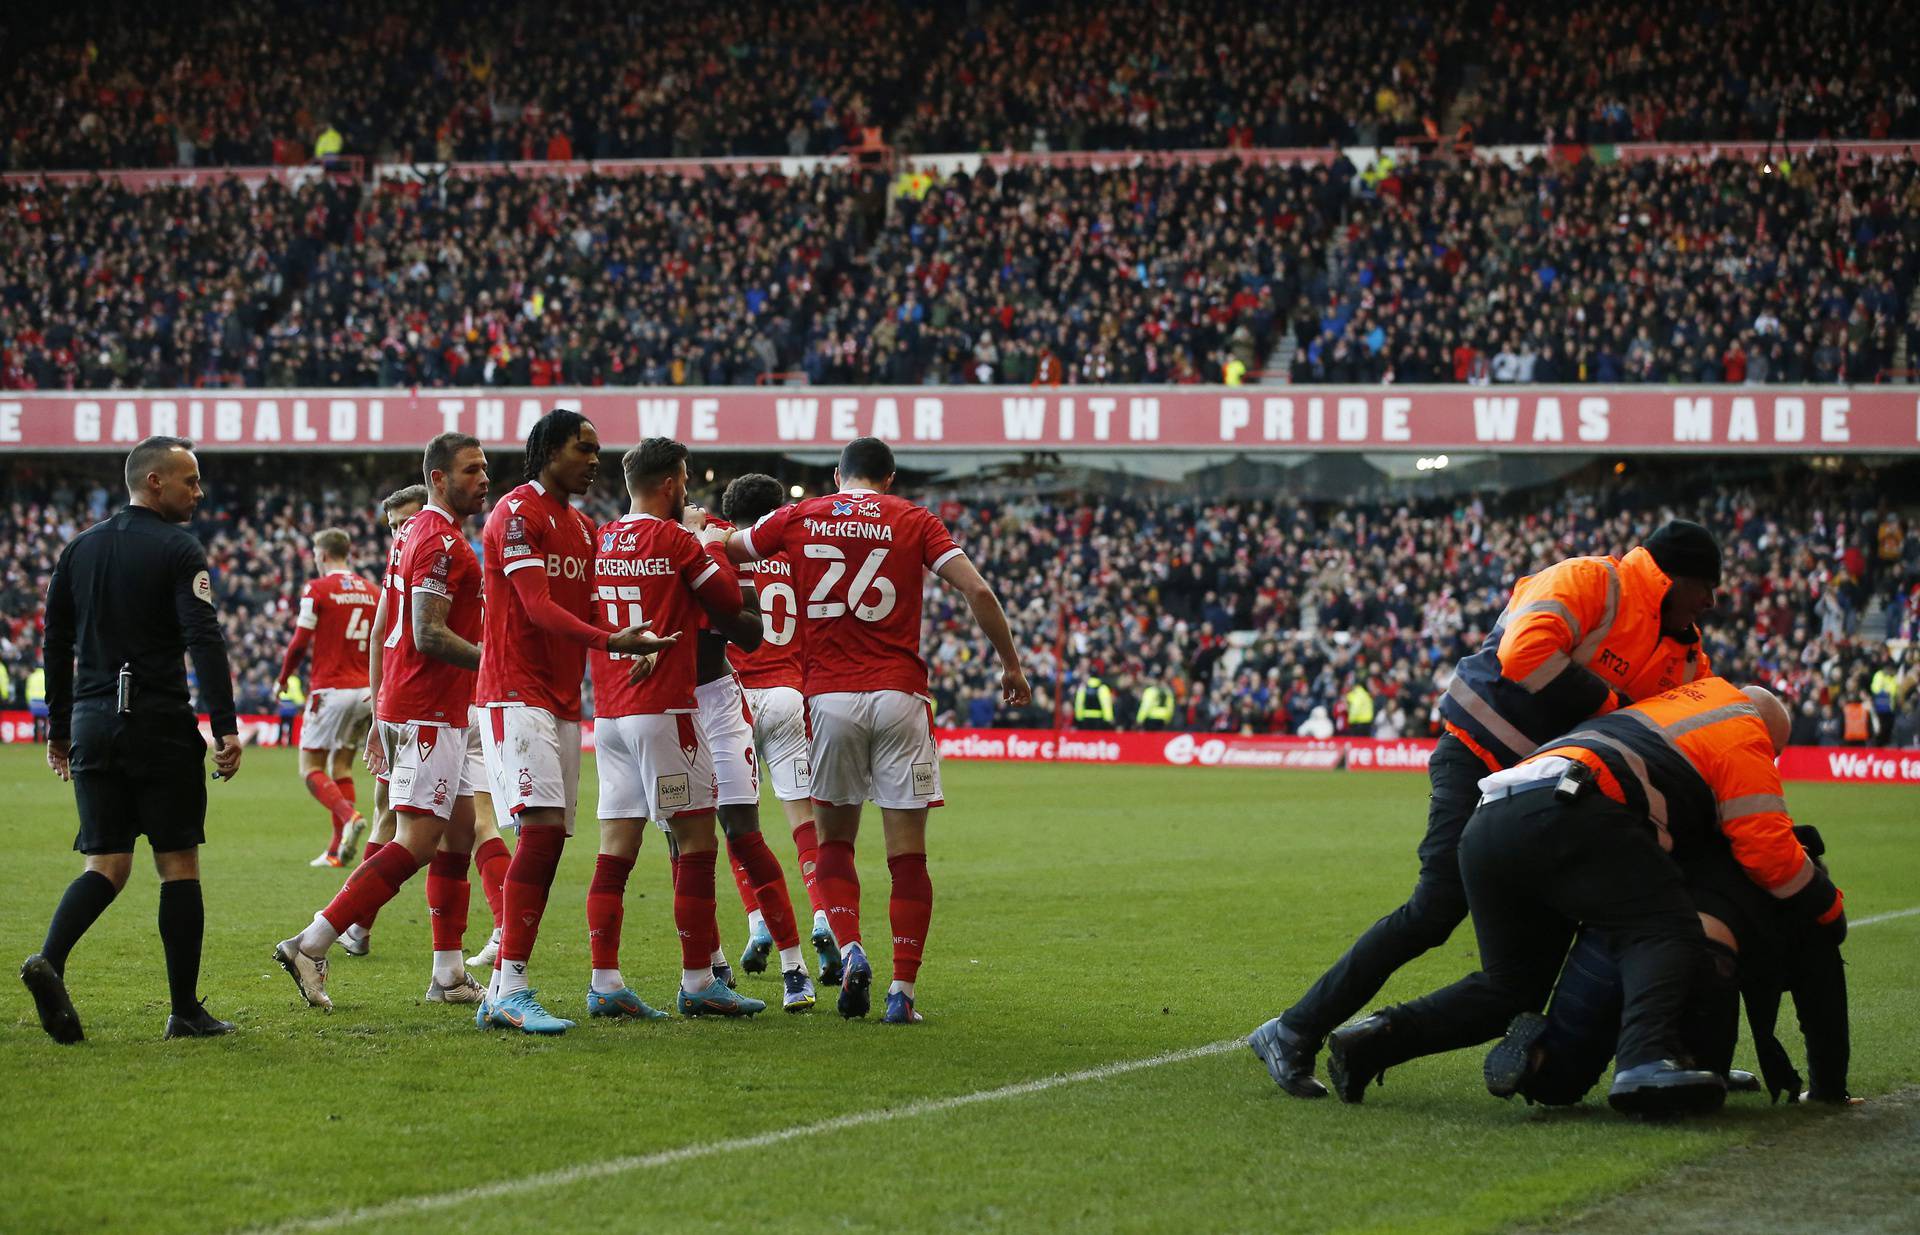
(1848, 764)
(1530, 419)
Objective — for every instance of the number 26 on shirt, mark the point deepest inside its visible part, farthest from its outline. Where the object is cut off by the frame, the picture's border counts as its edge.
(822, 604)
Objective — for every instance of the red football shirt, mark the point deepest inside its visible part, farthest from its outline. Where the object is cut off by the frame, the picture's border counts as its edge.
(528, 529)
(776, 662)
(649, 570)
(434, 558)
(338, 609)
(858, 559)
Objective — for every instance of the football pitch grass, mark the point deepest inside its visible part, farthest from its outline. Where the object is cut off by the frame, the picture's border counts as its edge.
(1100, 937)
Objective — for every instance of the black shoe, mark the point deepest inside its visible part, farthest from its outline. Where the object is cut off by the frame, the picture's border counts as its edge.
(1739, 1080)
(1359, 1053)
(1663, 1087)
(198, 1023)
(1510, 1062)
(1289, 1059)
(723, 974)
(57, 1016)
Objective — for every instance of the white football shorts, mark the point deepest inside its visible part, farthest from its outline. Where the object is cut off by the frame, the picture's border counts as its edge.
(653, 766)
(780, 731)
(336, 718)
(727, 727)
(533, 761)
(873, 746)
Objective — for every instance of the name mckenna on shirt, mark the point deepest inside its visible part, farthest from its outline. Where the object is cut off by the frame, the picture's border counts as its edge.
(853, 528)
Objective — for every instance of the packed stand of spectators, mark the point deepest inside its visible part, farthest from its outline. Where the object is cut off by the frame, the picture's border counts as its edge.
(1140, 75)
(1650, 272)
(1154, 274)
(1258, 616)
(1265, 617)
(1648, 71)
(216, 82)
(1680, 271)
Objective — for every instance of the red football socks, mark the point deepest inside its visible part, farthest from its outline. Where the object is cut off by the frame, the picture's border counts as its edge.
(807, 841)
(365, 921)
(606, 908)
(529, 878)
(327, 793)
(693, 908)
(840, 888)
(755, 863)
(448, 893)
(742, 880)
(372, 884)
(345, 785)
(493, 859)
(910, 909)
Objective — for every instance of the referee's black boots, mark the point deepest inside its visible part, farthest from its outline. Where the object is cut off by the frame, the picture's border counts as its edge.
(57, 1016)
(1362, 1052)
(1663, 1088)
(198, 1023)
(1289, 1059)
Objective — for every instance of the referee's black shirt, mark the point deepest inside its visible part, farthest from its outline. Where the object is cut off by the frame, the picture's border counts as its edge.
(134, 590)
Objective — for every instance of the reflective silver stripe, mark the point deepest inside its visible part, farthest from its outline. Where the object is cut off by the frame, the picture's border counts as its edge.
(1712, 716)
(1548, 606)
(1591, 644)
(1656, 801)
(1693, 668)
(1751, 804)
(1550, 668)
(1801, 878)
(1498, 726)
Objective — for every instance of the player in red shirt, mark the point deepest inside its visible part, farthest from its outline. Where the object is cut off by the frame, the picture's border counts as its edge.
(653, 759)
(336, 622)
(539, 578)
(770, 679)
(726, 726)
(859, 558)
(425, 693)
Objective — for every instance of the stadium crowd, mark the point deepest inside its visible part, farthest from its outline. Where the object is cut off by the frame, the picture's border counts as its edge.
(1256, 616)
(1696, 72)
(213, 82)
(1680, 272)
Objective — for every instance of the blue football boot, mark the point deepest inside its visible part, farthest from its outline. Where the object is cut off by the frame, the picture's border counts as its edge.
(622, 1004)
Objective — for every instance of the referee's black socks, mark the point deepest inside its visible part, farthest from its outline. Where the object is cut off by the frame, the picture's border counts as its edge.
(183, 919)
(86, 899)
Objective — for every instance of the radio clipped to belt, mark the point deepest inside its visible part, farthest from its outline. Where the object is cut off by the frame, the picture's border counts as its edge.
(1573, 782)
(123, 691)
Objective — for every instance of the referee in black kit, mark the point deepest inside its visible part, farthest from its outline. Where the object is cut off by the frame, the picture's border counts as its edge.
(130, 595)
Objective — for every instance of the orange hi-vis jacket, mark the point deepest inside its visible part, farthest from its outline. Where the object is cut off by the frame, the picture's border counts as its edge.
(1574, 639)
(1698, 759)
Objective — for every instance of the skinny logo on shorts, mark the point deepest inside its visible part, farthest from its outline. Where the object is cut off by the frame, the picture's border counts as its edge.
(802, 773)
(923, 780)
(673, 792)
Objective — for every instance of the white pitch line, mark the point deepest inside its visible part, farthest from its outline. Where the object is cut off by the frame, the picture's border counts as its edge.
(409, 1206)
(1888, 917)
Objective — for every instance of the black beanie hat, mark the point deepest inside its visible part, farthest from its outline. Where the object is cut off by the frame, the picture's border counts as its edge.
(1682, 548)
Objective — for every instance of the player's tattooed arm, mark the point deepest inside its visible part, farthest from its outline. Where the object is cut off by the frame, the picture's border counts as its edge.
(430, 633)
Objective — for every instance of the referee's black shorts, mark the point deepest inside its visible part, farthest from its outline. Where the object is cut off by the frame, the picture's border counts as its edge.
(137, 776)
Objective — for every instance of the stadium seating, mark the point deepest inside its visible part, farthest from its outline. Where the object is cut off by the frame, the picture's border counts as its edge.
(216, 82)
(1676, 271)
(1387, 595)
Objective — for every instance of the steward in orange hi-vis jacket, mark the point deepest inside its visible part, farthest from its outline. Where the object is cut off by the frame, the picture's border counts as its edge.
(1579, 833)
(1577, 640)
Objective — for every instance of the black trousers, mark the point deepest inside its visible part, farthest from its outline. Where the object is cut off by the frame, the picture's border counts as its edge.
(1535, 869)
(1437, 905)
